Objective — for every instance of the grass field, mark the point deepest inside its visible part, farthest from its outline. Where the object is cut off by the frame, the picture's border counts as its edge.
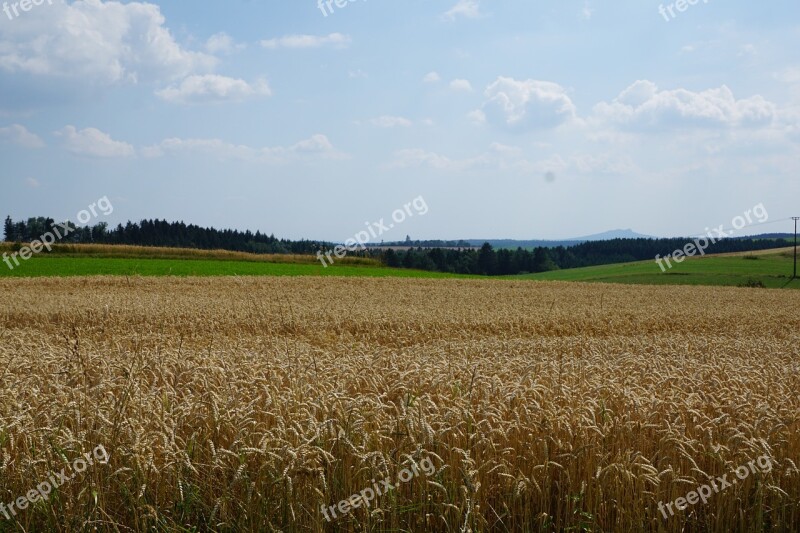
(95, 266)
(252, 404)
(772, 268)
(100, 260)
(121, 251)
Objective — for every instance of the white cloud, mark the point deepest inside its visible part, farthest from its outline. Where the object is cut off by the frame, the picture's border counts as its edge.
(528, 104)
(417, 157)
(748, 50)
(355, 74)
(317, 146)
(499, 157)
(336, 40)
(477, 116)
(604, 164)
(554, 164)
(638, 93)
(464, 8)
(504, 148)
(20, 135)
(92, 142)
(387, 121)
(643, 106)
(504, 158)
(222, 43)
(33, 183)
(788, 75)
(212, 88)
(587, 11)
(431, 77)
(461, 85)
(97, 43)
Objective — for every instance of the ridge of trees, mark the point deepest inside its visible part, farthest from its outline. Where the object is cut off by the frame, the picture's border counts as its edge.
(460, 260)
(162, 233)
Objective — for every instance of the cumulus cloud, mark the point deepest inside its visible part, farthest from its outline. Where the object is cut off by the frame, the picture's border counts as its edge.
(748, 50)
(604, 164)
(498, 157)
(587, 11)
(211, 88)
(336, 40)
(477, 116)
(788, 75)
(92, 142)
(417, 157)
(504, 158)
(638, 93)
(529, 104)
(317, 146)
(644, 106)
(387, 121)
(461, 85)
(464, 8)
(19, 135)
(431, 77)
(97, 43)
(222, 43)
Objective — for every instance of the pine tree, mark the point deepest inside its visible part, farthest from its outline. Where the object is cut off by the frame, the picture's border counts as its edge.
(8, 229)
(487, 260)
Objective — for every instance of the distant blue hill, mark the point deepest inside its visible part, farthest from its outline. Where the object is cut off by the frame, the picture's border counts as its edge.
(536, 243)
(513, 244)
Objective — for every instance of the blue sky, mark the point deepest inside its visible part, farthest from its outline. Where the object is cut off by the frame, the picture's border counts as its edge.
(514, 119)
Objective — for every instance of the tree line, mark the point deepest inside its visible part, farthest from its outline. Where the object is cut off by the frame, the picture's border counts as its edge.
(503, 262)
(162, 233)
(485, 261)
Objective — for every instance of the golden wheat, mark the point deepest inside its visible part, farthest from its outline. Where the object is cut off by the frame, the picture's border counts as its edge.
(248, 404)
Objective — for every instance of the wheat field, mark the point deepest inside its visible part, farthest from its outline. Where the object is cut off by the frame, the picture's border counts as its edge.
(252, 404)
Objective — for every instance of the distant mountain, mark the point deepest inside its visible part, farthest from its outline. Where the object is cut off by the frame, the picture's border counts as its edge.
(536, 243)
(614, 234)
(513, 244)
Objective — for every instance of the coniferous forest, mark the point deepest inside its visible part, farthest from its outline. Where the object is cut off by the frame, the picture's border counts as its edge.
(485, 260)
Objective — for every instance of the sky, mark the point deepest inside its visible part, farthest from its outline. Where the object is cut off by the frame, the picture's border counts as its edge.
(510, 119)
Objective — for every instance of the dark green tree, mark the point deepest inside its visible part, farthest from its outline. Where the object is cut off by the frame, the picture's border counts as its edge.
(8, 229)
(391, 259)
(487, 260)
(542, 261)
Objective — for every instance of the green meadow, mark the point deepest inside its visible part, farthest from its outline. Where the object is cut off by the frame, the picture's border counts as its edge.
(45, 265)
(773, 270)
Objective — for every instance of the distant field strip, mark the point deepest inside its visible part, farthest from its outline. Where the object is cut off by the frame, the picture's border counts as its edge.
(88, 266)
(122, 251)
(773, 269)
